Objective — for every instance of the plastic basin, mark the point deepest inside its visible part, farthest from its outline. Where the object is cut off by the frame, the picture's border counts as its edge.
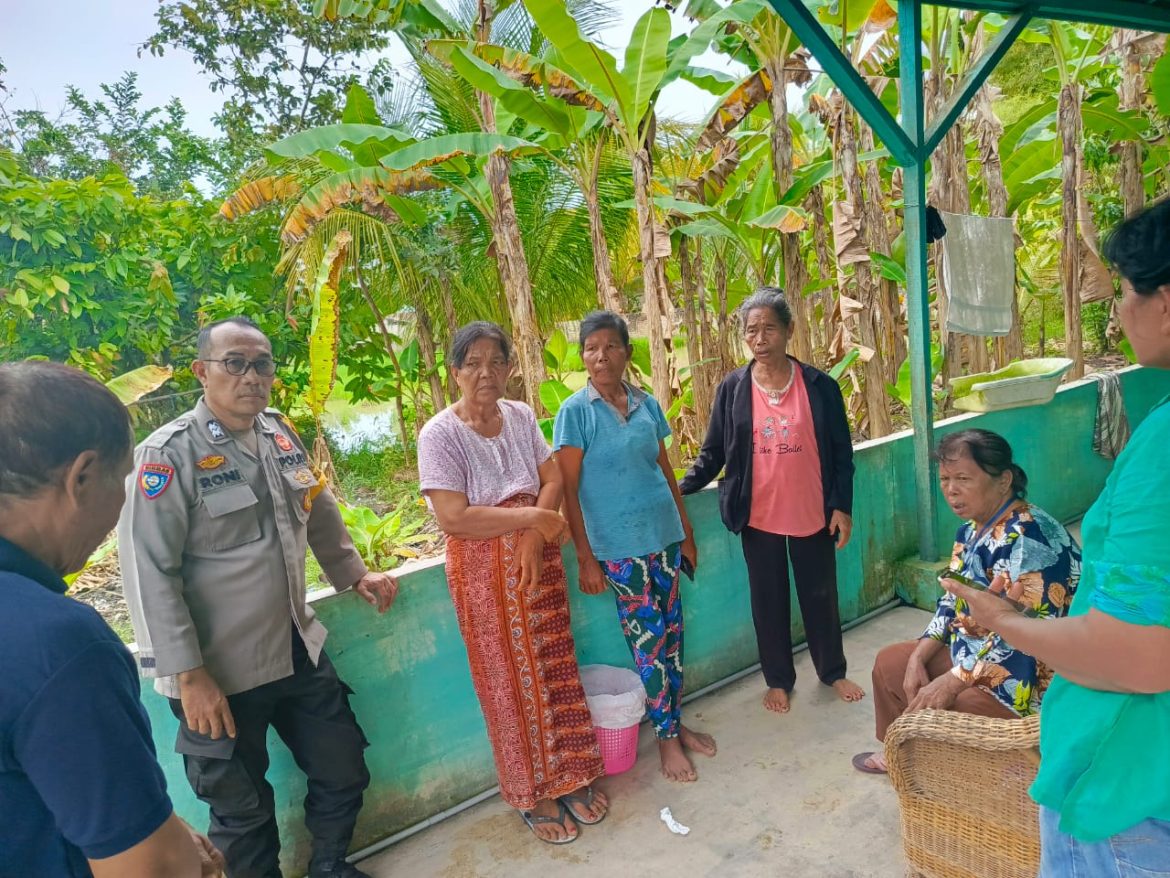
(1024, 382)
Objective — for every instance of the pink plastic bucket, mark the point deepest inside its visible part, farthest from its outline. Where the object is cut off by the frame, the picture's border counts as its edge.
(619, 748)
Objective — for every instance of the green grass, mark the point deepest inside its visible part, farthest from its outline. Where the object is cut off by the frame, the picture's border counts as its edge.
(378, 476)
(124, 630)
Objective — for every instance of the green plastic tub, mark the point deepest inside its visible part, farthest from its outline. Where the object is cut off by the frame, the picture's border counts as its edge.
(1024, 382)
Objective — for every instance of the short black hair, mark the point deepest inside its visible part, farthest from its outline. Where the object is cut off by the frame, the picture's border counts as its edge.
(469, 334)
(50, 414)
(991, 453)
(766, 297)
(1139, 248)
(203, 345)
(595, 321)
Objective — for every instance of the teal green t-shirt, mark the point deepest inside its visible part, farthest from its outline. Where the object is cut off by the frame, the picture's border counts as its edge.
(1105, 756)
(627, 505)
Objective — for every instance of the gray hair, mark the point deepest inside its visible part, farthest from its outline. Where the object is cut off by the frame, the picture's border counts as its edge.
(991, 453)
(766, 297)
(468, 335)
(52, 413)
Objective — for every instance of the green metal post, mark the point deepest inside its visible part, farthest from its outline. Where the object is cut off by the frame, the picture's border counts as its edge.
(917, 301)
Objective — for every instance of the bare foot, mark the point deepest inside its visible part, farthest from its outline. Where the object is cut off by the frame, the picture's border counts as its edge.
(676, 765)
(595, 811)
(699, 742)
(776, 700)
(847, 690)
(552, 831)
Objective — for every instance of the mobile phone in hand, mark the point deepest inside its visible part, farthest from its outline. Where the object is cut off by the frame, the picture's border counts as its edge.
(687, 568)
(947, 573)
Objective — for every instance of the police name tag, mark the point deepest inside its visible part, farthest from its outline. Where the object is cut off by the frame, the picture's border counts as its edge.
(220, 480)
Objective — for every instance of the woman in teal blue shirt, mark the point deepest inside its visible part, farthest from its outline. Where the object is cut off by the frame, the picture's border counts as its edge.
(629, 524)
(1104, 781)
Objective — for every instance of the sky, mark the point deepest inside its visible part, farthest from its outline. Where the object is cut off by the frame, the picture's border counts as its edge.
(50, 44)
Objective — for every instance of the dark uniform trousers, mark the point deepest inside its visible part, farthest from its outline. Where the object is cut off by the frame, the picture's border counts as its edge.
(814, 564)
(311, 713)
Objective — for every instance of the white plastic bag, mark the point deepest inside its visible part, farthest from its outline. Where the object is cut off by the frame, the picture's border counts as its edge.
(615, 696)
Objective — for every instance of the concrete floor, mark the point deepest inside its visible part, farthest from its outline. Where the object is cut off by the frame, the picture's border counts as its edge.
(780, 798)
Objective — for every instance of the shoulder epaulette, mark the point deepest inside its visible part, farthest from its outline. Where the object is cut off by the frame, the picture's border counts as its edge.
(166, 432)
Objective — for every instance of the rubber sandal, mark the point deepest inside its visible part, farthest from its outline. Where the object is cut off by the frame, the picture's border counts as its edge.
(860, 765)
(570, 799)
(532, 820)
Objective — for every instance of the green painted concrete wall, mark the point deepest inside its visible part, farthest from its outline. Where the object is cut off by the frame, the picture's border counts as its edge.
(409, 671)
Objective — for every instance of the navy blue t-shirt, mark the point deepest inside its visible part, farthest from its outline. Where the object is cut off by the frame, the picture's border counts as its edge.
(79, 779)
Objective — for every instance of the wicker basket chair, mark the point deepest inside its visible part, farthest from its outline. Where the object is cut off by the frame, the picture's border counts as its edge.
(962, 784)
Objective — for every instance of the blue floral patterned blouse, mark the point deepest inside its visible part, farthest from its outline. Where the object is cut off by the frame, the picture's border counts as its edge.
(1034, 549)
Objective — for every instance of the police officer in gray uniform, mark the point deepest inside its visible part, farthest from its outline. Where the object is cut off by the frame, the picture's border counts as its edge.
(221, 506)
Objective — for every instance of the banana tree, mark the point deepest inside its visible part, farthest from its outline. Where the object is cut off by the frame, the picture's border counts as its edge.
(418, 19)
(1135, 50)
(1081, 110)
(576, 133)
(360, 171)
(852, 245)
(773, 52)
(627, 96)
(511, 258)
(325, 341)
(987, 130)
(1071, 129)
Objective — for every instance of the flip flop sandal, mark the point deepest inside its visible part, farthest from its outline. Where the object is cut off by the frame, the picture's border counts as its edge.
(571, 799)
(533, 820)
(859, 762)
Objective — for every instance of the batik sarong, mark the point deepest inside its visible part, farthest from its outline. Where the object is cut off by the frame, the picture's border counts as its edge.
(524, 667)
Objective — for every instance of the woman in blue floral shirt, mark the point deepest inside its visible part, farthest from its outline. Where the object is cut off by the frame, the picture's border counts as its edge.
(957, 664)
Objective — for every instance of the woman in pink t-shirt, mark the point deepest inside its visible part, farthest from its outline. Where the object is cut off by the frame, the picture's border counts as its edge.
(778, 430)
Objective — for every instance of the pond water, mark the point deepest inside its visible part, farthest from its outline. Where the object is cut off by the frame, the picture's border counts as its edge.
(352, 426)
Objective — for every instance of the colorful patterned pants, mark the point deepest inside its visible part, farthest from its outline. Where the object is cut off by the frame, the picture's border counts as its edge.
(650, 611)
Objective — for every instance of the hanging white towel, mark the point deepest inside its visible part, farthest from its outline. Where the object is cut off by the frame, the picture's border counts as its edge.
(979, 270)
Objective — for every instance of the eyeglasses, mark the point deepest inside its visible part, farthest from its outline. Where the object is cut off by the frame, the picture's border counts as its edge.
(265, 366)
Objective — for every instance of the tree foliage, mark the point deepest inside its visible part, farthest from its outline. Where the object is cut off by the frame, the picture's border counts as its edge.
(114, 134)
(94, 273)
(280, 68)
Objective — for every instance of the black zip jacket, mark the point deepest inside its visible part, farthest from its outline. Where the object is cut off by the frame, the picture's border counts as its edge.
(728, 446)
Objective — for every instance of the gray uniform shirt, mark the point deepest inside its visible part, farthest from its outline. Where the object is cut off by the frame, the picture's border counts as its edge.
(212, 543)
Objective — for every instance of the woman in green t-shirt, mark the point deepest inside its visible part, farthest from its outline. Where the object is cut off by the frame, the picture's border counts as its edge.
(1104, 781)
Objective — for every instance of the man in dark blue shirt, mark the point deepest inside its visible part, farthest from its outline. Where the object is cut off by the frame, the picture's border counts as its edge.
(80, 790)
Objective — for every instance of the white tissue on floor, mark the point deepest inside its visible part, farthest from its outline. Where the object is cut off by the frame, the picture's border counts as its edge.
(672, 824)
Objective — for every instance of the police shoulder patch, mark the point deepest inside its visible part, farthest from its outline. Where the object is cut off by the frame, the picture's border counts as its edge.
(212, 461)
(154, 479)
(282, 442)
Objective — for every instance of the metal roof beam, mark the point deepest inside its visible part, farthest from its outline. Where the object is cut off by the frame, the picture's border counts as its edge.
(973, 81)
(1115, 13)
(841, 70)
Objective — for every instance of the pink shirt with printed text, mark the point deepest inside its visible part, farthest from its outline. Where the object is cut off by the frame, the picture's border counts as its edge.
(787, 495)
